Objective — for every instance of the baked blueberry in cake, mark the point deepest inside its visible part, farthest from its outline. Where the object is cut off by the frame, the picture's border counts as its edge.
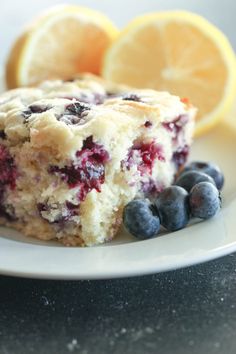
(73, 154)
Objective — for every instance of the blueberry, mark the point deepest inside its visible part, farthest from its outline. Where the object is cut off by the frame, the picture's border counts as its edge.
(173, 208)
(131, 97)
(77, 108)
(204, 200)
(180, 156)
(188, 179)
(8, 212)
(210, 169)
(2, 135)
(141, 219)
(34, 108)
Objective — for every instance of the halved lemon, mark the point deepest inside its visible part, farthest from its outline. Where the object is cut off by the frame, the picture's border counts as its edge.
(180, 52)
(63, 41)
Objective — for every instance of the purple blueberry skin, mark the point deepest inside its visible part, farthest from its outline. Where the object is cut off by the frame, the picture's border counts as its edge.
(209, 168)
(141, 219)
(190, 178)
(204, 200)
(173, 208)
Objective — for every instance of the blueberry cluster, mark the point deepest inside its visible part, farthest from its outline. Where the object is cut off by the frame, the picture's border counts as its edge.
(195, 193)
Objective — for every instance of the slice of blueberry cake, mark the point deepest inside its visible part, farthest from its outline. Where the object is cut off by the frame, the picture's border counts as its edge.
(73, 154)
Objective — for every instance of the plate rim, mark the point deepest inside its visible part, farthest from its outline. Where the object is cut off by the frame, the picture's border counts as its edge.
(206, 257)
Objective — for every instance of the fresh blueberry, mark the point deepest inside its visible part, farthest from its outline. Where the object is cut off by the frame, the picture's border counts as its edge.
(204, 200)
(173, 208)
(141, 219)
(188, 179)
(210, 169)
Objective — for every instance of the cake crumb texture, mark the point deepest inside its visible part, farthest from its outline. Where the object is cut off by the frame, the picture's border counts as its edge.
(73, 154)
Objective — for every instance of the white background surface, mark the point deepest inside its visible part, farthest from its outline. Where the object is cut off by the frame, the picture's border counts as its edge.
(15, 13)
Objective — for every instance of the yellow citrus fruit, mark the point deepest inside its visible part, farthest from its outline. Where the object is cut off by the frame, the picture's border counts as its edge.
(60, 43)
(180, 52)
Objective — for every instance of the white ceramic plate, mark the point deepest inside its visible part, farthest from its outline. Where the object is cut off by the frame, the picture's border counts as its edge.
(202, 241)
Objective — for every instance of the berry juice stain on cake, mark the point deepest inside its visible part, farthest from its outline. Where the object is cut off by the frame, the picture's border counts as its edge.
(7, 169)
(148, 124)
(61, 213)
(176, 125)
(180, 156)
(144, 155)
(87, 171)
(8, 176)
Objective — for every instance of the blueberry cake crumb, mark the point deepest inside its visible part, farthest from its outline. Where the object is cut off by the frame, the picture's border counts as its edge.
(86, 172)
(73, 154)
